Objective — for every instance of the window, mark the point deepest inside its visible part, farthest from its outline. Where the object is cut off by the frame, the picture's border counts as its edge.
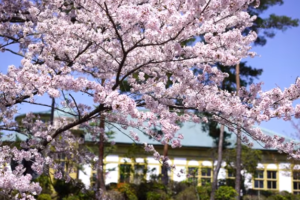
(259, 179)
(139, 173)
(271, 179)
(231, 173)
(296, 182)
(266, 180)
(259, 184)
(93, 178)
(205, 176)
(193, 175)
(125, 170)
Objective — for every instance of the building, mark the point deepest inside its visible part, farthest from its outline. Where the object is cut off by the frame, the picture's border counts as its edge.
(274, 172)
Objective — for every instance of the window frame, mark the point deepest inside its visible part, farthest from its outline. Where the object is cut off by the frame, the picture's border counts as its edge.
(297, 181)
(272, 180)
(138, 177)
(128, 178)
(259, 179)
(196, 176)
(230, 171)
(266, 181)
(205, 177)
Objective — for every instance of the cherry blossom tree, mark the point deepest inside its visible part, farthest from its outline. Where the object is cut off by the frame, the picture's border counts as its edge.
(94, 47)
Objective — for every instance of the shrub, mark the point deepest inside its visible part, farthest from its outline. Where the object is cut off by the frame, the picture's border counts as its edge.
(127, 190)
(71, 198)
(178, 187)
(254, 197)
(64, 189)
(278, 197)
(45, 182)
(187, 194)
(204, 192)
(296, 197)
(44, 197)
(157, 195)
(115, 195)
(150, 189)
(225, 193)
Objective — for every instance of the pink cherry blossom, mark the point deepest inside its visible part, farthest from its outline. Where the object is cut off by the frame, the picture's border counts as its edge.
(125, 56)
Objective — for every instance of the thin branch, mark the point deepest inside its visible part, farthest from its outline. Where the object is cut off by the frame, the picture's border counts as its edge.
(52, 111)
(13, 52)
(76, 106)
(20, 99)
(121, 131)
(151, 62)
(41, 104)
(85, 118)
(115, 27)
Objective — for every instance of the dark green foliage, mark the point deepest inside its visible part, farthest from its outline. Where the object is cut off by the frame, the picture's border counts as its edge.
(266, 27)
(250, 158)
(180, 186)
(124, 86)
(4, 196)
(73, 188)
(204, 192)
(128, 191)
(71, 198)
(45, 183)
(188, 42)
(228, 182)
(44, 197)
(271, 195)
(78, 132)
(225, 193)
(251, 197)
(188, 194)
(278, 197)
(115, 195)
(247, 76)
(214, 131)
(158, 195)
(145, 190)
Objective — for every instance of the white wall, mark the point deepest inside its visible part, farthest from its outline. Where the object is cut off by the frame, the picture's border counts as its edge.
(112, 173)
(284, 171)
(178, 175)
(222, 173)
(152, 170)
(85, 175)
(285, 181)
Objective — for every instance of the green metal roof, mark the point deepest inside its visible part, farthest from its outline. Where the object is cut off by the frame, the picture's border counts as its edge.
(194, 135)
(12, 137)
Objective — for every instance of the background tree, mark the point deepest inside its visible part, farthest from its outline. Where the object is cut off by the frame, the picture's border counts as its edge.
(249, 161)
(266, 28)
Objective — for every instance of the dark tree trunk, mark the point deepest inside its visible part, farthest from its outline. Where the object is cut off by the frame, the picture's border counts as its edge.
(165, 177)
(100, 169)
(238, 143)
(238, 164)
(217, 169)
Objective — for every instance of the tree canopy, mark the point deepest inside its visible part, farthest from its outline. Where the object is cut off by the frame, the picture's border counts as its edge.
(93, 47)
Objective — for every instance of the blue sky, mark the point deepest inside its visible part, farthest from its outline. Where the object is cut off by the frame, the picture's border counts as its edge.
(279, 58)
